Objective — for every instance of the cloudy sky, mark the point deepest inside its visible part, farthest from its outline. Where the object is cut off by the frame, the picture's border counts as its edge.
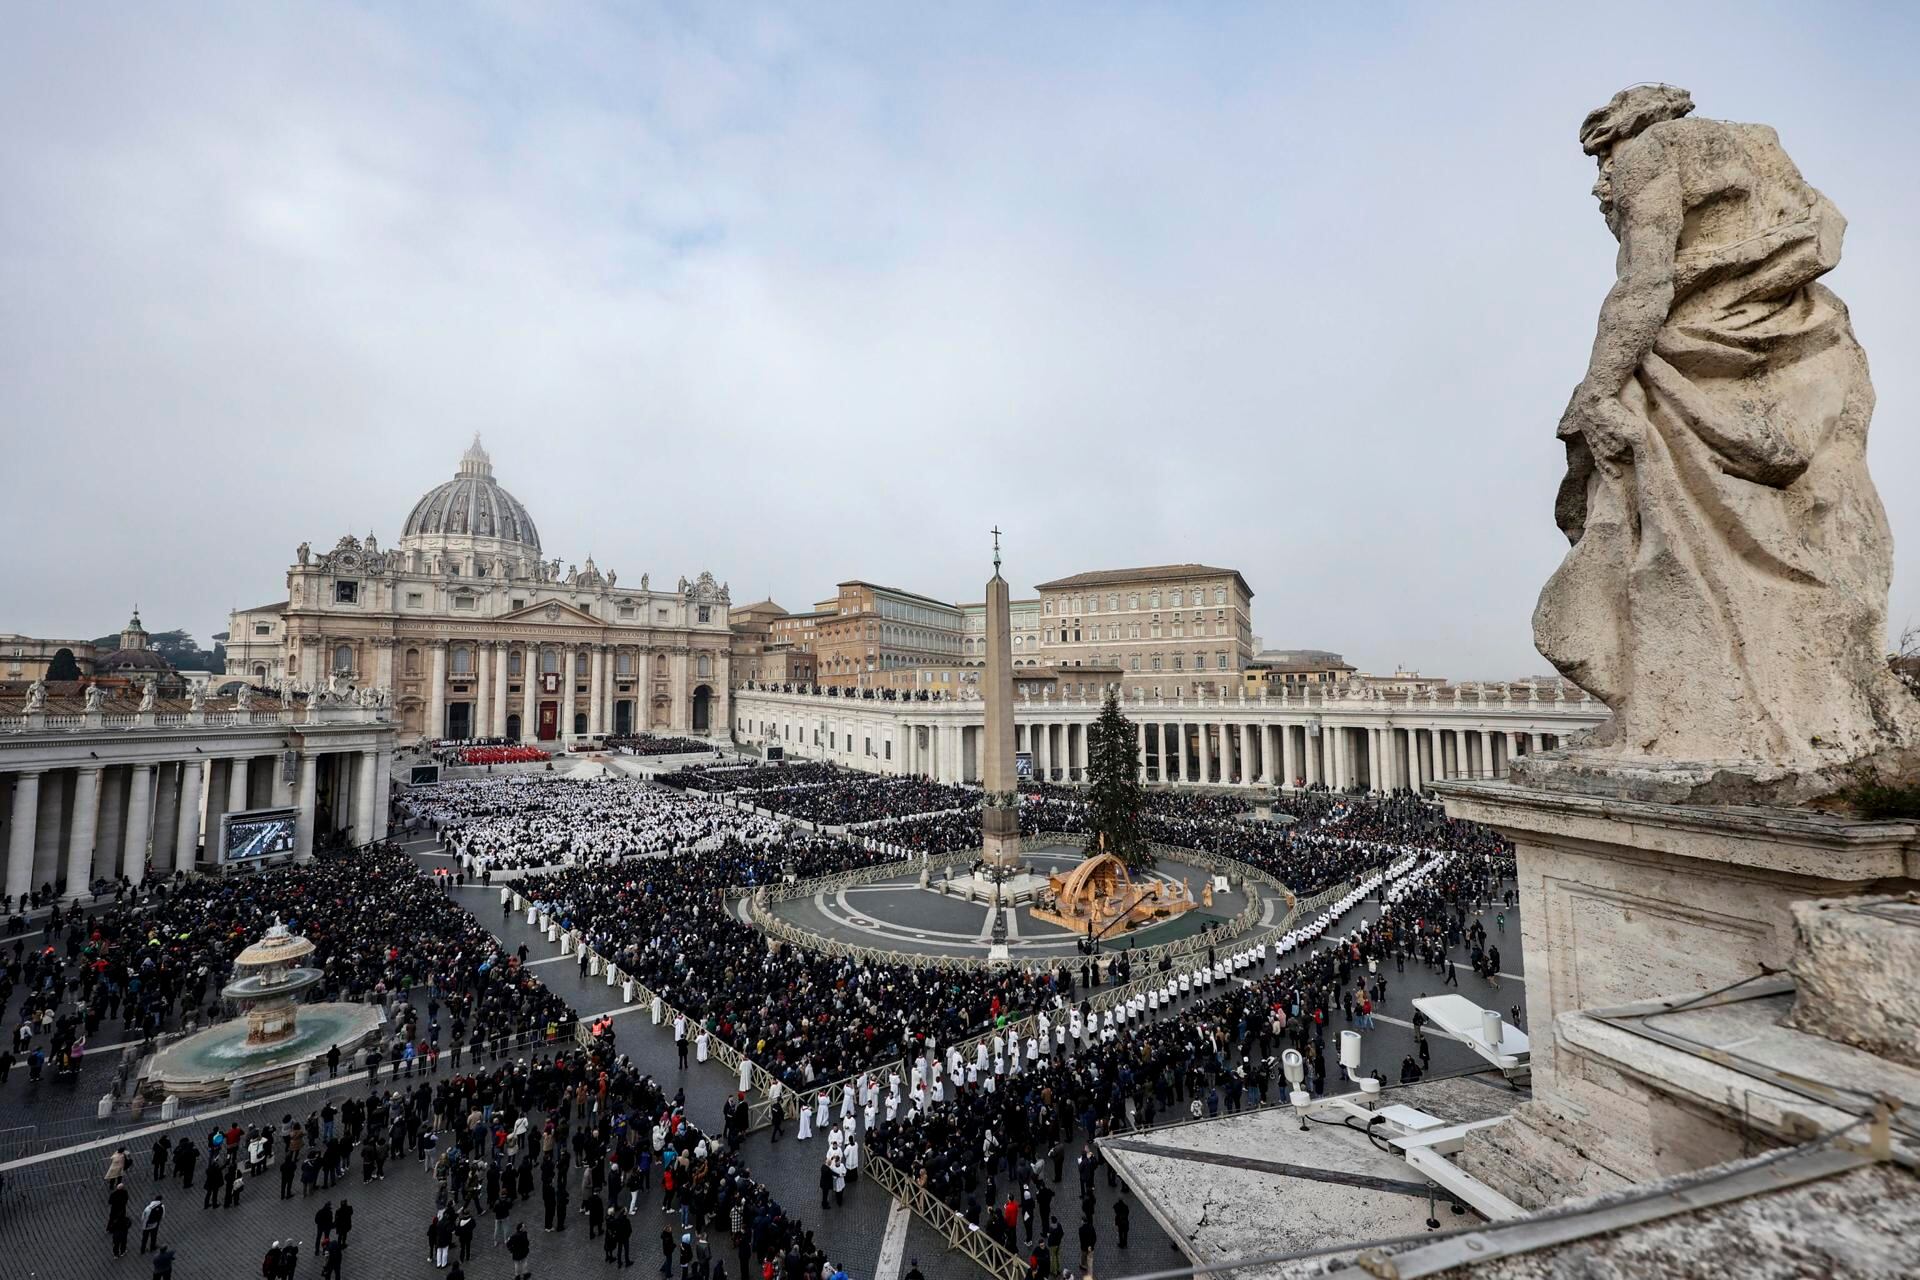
(805, 293)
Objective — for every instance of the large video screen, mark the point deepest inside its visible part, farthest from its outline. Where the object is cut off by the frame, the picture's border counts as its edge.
(258, 833)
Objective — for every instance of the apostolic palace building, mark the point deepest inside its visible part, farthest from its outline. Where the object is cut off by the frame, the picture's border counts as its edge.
(476, 635)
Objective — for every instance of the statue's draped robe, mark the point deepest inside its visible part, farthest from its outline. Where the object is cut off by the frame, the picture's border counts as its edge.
(1745, 540)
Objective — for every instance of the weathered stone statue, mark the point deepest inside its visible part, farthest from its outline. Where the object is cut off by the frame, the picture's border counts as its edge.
(197, 698)
(1726, 591)
(243, 697)
(36, 697)
(96, 697)
(149, 693)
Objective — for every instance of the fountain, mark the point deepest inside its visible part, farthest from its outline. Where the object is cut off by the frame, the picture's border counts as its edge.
(276, 1035)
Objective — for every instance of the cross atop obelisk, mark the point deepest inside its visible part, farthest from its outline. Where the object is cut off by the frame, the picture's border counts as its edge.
(1001, 821)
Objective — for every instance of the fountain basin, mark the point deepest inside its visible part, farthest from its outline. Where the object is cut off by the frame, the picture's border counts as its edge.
(204, 1065)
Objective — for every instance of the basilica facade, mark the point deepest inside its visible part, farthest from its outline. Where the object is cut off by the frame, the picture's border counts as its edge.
(475, 634)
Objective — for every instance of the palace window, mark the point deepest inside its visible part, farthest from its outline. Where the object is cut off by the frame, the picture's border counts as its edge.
(346, 593)
(462, 660)
(416, 599)
(513, 663)
(623, 664)
(1136, 662)
(1113, 603)
(549, 662)
(580, 664)
(1156, 662)
(413, 662)
(1153, 600)
(1048, 608)
(1176, 597)
(1176, 663)
(628, 611)
(262, 628)
(1220, 661)
(466, 602)
(343, 658)
(519, 603)
(705, 666)
(1219, 595)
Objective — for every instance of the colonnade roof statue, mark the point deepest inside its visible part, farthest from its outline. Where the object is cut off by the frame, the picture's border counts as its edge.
(1726, 592)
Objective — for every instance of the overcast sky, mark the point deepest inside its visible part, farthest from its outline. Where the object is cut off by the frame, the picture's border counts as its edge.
(799, 294)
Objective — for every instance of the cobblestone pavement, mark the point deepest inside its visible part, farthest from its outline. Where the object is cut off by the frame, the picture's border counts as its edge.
(52, 1215)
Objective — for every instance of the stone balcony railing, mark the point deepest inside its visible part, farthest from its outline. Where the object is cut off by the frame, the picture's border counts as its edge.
(209, 718)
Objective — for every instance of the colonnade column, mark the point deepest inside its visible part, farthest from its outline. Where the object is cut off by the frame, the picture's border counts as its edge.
(1206, 755)
(303, 801)
(1142, 733)
(1373, 760)
(20, 835)
(165, 815)
(1413, 761)
(498, 729)
(86, 818)
(237, 784)
(1289, 765)
(186, 840)
(436, 697)
(365, 785)
(133, 858)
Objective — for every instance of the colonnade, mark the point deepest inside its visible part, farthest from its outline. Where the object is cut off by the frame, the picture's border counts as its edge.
(1218, 742)
(68, 825)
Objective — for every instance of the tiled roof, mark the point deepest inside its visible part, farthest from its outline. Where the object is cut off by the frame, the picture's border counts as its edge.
(1151, 573)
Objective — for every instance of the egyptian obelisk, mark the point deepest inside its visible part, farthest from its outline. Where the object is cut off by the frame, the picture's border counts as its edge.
(1001, 819)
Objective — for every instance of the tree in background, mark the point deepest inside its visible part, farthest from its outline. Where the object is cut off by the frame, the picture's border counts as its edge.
(177, 647)
(1115, 795)
(63, 666)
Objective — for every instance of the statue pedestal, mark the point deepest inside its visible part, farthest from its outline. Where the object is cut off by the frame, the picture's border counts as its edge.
(1624, 901)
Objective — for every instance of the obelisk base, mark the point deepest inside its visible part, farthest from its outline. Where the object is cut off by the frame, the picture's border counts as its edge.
(1000, 845)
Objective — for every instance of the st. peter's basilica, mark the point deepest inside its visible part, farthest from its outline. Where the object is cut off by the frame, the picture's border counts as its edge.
(474, 634)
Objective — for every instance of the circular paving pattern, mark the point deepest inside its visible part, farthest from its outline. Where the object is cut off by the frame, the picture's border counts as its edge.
(898, 915)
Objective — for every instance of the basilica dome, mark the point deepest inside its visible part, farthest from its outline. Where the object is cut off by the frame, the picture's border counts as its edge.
(470, 506)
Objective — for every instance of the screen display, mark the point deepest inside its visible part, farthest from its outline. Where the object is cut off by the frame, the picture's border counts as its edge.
(425, 775)
(259, 833)
(1023, 765)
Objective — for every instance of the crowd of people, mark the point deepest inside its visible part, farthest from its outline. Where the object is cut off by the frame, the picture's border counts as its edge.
(380, 931)
(853, 798)
(647, 744)
(513, 823)
(515, 754)
(715, 778)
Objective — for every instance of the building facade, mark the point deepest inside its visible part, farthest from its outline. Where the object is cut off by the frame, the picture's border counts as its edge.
(475, 634)
(1348, 736)
(28, 657)
(1175, 630)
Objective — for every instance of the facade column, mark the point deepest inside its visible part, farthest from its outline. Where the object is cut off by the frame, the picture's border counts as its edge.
(483, 691)
(383, 663)
(498, 729)
(596, 686)
(1462, 762)
(1533, 744)
(382, 791)
(364, 788)
(1206, 755)
(186, 840)
(1179, 753)
(682, 723)
(303, 801)
(237, 771)
(564, 718)
(86, 820)
(133, 859)
(529, 693)
(436, 697)
(21, 832)
(1289, 763)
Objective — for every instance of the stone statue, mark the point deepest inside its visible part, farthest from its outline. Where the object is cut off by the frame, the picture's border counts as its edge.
(612, 578)
(243, 697)
(1726, 592)
(96, 697)
(643, 582)
(197, 698)
(304, 552)
(149, 694)
(36, 697)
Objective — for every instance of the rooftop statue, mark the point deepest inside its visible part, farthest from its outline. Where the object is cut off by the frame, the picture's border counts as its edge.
(1726, 592)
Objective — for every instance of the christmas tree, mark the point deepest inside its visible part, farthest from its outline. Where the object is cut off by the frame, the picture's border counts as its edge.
(1115, 795)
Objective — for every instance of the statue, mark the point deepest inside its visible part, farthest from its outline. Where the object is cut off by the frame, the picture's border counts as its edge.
(1726, 592)
(197, 698)
(612, 578)
(305, 553)
(148, 694)
(643, 582)
(243, 697)
(36, 697)
(96, 698)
